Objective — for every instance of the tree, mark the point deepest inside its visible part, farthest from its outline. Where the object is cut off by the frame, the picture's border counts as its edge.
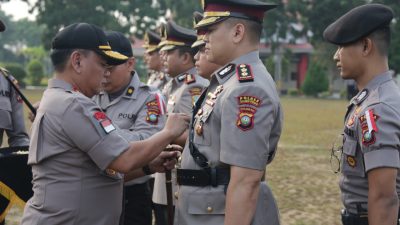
(35, 71)
(316, 79)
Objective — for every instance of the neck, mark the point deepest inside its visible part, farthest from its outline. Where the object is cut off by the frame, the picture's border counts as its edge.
(241, 50)
(373, 69)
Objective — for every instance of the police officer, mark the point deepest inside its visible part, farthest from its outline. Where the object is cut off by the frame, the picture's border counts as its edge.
(236, 124)
(181, 91)
(370, 182)
(138, 110)
(11, 110)
(152, 58)
(76, 153)
(12, 120)
(204, 68)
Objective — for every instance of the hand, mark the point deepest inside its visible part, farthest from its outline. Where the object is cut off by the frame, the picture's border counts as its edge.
(31, 117)
(166, 160)
(176, 124)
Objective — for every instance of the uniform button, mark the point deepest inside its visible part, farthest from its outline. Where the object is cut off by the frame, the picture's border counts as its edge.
(209, 209)
(176, 194)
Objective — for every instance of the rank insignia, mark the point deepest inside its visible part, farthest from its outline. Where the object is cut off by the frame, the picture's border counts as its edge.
(245, 119)
(249, 100)
(104, 121)
(130, 91)
(190, 78)
(351, 161)
(152, 117)
(226, 70)
(244, 73)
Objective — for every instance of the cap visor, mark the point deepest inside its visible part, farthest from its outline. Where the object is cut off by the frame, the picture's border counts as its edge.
(208, 21)
(198, 43)
(168, 47)
(112, 57)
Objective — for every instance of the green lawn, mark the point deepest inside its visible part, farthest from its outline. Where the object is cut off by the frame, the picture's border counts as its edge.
(306, 190)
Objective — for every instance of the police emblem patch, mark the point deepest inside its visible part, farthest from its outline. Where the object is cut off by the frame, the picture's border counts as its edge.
(152, 116)
(245, 119)
(244, 73)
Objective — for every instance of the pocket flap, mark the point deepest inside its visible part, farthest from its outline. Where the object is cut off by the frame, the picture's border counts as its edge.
(350, 146)
(210, 203)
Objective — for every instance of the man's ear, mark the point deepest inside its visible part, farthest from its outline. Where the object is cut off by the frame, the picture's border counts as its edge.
(238, 32)
(75, 61)
(131, 63)
(367, 46)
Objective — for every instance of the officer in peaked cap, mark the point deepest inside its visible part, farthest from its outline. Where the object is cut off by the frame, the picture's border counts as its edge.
(204, 68)
(370, 182)
(11, 123)
(157, 78)
(136, 109)
(182, 90)
(236, 124)
(76, 153)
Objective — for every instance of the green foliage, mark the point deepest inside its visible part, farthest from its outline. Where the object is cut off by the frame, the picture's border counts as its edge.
(35, 71)
(36, 52)
(293, 92)
(316, 80)
(18, 71)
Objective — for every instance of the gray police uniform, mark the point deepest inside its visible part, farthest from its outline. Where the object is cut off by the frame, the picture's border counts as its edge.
(371, 139)
(182, 92)
(72, 144)
(239, 124)
(157, 79)
(11, 114)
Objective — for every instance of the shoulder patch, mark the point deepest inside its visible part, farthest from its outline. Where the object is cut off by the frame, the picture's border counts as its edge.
(245, 119)
(368, 127)
(104, 121)
(244, 73)
(130, 91)
(249, 100)
(226, 70)
(190, 78)
(152, 116)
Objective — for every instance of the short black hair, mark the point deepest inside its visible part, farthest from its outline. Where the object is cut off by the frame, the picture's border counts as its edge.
(382, 38)
(59, 57)
(253, 28)
(186, 49)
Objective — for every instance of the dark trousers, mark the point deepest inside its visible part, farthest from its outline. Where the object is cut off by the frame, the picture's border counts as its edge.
(3, 205)
(161, 214)
(137, 208)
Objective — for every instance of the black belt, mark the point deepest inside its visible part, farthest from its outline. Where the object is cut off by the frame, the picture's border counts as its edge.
(358, 219)
(204, 177)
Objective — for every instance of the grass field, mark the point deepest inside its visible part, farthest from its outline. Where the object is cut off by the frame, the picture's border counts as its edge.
(306, 189)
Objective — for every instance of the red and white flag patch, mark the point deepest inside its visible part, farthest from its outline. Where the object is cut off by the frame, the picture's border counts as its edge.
(104, 121)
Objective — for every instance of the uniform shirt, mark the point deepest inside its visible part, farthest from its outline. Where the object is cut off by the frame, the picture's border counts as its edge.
(157, 79)
(181, 92)
(137, 112)
(73, 142)
(11, 114)
(371, 139)
(239, 124)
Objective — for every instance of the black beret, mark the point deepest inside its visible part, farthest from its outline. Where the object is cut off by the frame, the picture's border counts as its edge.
(119, 43)
(87, 36)
(358, 23)
(2, 26)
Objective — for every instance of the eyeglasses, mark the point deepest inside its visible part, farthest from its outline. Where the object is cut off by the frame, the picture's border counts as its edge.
(336, 153)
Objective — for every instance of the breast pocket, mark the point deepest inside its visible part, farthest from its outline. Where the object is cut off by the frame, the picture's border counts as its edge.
(352, 158)
(5, 104)
(207, 203)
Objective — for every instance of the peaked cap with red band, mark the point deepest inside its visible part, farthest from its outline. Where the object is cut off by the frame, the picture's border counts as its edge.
(216, 11)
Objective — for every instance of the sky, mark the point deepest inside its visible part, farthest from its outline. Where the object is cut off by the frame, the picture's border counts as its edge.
(18, 9)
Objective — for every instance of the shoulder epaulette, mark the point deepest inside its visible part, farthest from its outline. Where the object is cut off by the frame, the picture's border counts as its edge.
(244, 73)
(190, 78)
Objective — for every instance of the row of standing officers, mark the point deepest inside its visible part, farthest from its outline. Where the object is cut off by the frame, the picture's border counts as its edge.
(99, 132)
